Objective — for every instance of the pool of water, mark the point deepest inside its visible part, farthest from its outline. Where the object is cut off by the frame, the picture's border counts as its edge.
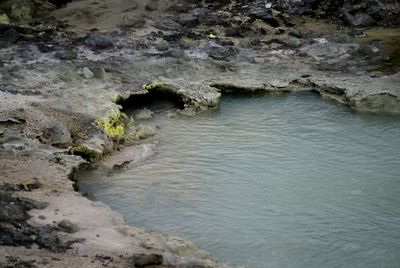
(270, 181)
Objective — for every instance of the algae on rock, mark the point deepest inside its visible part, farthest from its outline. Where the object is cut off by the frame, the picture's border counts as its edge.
(115, 124)
(4, 18)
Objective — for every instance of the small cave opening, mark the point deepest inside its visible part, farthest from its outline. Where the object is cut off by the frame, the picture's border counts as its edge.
(153, 98)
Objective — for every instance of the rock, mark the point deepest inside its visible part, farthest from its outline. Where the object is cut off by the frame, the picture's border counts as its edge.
(59, 134)
(4, 18)
(200, 12)
(188, 20)
(87, 73)
(162, 45)
(295, 34)
(68, 226)
(12, 120)
(98, 72)
(97, 42)
(223, 53)
(152, 5)
(45, 48)
(359, 20)
(293, 42)
(279, 83)
(133, 20)
(143, 260)
(66, 55)
(129, 157)
(143, 132)
(144, 114)
(266, 17)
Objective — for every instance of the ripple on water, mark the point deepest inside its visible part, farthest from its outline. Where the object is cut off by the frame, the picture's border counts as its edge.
(271, 181)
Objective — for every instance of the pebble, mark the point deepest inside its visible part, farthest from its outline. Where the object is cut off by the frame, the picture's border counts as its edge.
(87, 73)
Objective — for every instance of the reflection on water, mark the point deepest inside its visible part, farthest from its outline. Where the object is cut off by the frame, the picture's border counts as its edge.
(270, 181)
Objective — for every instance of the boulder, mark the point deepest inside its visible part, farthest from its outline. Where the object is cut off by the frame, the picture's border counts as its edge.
(97, 42)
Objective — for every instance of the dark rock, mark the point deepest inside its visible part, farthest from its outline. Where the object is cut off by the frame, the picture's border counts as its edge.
(10, 36)
(68, 226)
(45, 48)
(49, 240)
(143, 260)
(97, 42)
(234, 32)
(266, 17)
(223, 53)
(66, 55)
(11, 236)
(295, 34)
(358, 20)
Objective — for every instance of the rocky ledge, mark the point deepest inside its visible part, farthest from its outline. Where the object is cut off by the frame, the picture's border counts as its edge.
(68, 68)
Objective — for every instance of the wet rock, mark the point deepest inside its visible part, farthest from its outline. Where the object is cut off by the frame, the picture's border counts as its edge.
(143, 132)
(129, 157)
(68, 226)
(133, 20)
(87, 73)
(97, 42)
(143, 260)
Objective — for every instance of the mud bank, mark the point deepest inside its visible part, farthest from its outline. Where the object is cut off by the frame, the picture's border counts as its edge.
(62, 84)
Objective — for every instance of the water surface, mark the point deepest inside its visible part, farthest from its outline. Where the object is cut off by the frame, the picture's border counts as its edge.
(270, 181)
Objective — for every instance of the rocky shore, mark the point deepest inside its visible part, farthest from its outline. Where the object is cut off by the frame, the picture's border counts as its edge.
(67, 68)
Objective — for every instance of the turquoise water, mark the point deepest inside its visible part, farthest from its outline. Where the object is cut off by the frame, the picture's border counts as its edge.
(270, 181)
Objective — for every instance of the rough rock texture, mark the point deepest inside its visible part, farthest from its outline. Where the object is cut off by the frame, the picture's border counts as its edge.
(61, 91)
